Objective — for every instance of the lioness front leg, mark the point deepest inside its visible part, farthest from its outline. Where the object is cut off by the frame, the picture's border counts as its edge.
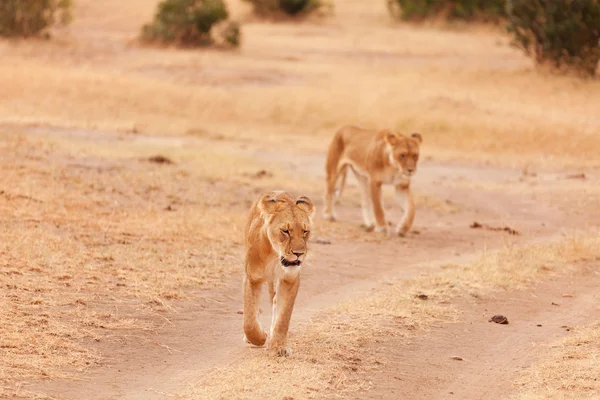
(366, 203)
(375, 191)
(283, 305)
(405, 195)
(253, 330)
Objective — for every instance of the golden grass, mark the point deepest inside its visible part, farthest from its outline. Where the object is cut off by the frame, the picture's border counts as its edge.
(331, 357)
(470, 94)
(569, 369)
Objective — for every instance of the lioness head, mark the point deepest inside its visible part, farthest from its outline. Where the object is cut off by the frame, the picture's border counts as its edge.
(403, 151)
(288, 222)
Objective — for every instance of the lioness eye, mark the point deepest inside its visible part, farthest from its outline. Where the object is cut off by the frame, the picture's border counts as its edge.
(285, 231)
(402, 156)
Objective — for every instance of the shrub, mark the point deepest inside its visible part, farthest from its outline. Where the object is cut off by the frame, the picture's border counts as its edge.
(564, 34)
(189, 23)
(290, 8)
(32, 17)
(450, 9)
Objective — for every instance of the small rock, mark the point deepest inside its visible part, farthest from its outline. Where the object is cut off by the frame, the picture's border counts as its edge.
(262, 174)
(567, 328)
(580, 175)
(539, 325)
(159, 159)
(499, 319)
(457, 358)
(240, 312)
(555, 304)
(422, 296)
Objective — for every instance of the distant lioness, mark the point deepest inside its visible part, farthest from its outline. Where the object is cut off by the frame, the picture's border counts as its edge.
(277, 233)
(376, 158)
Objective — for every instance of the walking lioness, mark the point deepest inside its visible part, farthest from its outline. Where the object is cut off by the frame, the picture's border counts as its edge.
(376, 158)
(276, 236)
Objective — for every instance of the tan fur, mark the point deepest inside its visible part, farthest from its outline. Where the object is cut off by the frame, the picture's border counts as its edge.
(277, 232)
(376, 158)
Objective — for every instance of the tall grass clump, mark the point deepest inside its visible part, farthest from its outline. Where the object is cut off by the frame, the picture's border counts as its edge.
(289, 8)
(25, 18)
(469, 10)
(562, 34)
(191, 23)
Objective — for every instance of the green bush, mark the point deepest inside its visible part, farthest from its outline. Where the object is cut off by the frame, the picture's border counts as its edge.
(564, 34)
(485, 10)
(32, 17)
(290, 8)
(189, 23)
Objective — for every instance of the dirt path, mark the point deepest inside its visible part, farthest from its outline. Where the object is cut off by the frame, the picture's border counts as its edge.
(491, 354)
(205, 332)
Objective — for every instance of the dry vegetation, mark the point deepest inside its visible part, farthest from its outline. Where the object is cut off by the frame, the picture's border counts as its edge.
(332, 357)
(485, 103)
(569, 369)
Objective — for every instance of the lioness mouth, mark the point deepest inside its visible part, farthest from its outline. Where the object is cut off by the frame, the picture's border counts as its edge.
(287, 263)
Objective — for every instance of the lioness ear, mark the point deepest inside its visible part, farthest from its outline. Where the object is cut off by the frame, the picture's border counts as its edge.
(417, 137)
(390, 138)
(306, 205)
(269, 202)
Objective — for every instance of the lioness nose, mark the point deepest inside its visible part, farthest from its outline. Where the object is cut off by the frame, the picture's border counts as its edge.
(298, 253)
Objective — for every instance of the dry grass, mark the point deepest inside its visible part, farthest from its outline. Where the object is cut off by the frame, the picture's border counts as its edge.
(471, 95)
(569, 370)
(331, 356)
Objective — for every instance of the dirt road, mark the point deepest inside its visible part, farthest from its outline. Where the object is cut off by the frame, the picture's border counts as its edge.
(205, 332)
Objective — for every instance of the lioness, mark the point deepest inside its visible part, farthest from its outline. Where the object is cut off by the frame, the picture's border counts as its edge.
(276, 236)
(375, 157)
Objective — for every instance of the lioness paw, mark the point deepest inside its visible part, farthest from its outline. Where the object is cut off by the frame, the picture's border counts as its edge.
(381, 229)
(401, 231)
(367, 228)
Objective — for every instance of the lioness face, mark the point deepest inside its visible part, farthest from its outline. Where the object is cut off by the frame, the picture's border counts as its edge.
(289, 233)
(404, 151)
(289, 223)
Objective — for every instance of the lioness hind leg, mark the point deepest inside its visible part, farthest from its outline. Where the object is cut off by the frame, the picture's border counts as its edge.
(253, 330)
(405, 196)
(329, 213)
(283, 306)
